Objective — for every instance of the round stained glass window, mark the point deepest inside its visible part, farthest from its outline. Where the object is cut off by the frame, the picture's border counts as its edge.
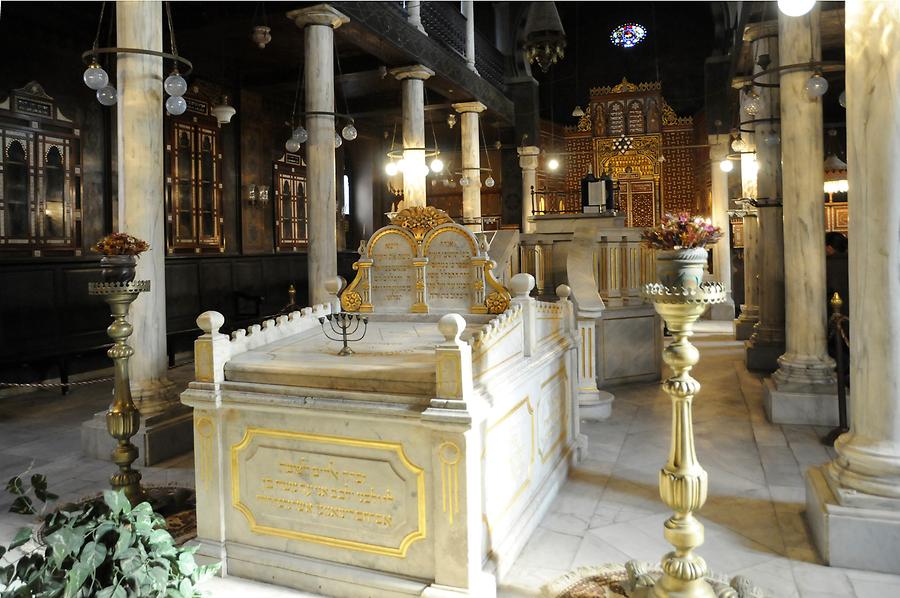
(628, 35)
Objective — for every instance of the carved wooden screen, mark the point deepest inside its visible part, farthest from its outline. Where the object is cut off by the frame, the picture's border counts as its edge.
(291, 220)
(40, 176)
(638, 199)
(195, 187)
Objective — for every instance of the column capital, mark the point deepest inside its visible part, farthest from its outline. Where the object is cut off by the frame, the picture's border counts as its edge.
(756, 31)
(528, 150)
(413, 71)
(463, 107)
(320, 14)
(528, 156)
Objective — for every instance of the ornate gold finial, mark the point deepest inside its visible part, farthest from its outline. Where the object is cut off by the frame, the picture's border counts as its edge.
(584, 123)
(420, 219)
(626, 86)
(836, 303)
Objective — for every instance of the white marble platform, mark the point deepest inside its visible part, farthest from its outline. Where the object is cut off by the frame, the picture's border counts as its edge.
(608, 510)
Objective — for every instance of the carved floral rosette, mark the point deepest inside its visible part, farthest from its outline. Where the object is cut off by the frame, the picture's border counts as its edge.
(414, 230)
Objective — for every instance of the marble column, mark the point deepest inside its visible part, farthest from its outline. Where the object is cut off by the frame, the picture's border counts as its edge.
(139, 119)
(743, 326)
(802, 391)
(468, 7)
(766, 344)
(319, 23)
(528, 161)
(414, 16)
(471, 161)
(165, 425)
(722, 250)
(415, 170)
(853, 503)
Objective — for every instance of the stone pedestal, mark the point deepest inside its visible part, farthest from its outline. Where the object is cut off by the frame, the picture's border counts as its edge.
(805, 368)
(160, 437)
(853, 503)
(471, 161)
(416, 170)
(528, 160)
(318, 23)
(722, 250)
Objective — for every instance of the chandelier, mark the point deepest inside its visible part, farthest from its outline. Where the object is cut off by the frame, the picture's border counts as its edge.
(299, 135)
(545, 40)
(97, 79)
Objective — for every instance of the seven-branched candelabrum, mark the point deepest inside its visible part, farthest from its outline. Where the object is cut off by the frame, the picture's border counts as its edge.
(347, 328)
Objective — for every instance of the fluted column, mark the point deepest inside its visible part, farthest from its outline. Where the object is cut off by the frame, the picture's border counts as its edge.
(802, 391)
(750, 308)
(767, 342)
(318, 23)
(471, 161)
(722, 250)
(528, 161)
(141, 206)
(853, 503)
(415, 170)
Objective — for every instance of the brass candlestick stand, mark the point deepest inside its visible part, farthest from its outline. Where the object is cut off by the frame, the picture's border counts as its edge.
(682, 482)
(122, 419)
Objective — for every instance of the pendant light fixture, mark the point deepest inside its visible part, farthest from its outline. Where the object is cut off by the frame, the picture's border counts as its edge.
(261, 33)
(545, 39)
(96, 78)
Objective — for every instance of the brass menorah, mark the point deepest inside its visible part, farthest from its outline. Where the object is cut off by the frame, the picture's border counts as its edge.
(346, 326)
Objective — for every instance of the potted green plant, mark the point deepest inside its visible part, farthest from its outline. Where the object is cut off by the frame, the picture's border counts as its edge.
(680, 241)
(120, 252)
(102, 548)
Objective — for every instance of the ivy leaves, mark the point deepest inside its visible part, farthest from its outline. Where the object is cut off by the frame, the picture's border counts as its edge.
(102, 548)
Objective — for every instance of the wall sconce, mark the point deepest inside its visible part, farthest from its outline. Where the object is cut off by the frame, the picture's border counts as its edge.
(257, 195)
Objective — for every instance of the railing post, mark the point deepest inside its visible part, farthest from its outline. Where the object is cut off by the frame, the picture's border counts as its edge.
(212, 349)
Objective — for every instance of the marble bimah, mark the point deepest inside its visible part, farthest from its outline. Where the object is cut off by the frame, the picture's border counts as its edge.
(419, 465)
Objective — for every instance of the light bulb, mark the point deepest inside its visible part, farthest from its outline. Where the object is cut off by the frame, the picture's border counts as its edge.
(95, 77)
(738, 145)
(437, 165)
(753, 105)
(464, 181)
(795, 8)
(390, 169)
(349, 132)
(489, 182)
(423, 169)
(338, 142)
(300, 134)
(816, 86)
(726, 165)
(292, 145)
(771, 138)
(176, 105)
(401, 165)
(553, 164)
(842, 99)
(175, 85)
(107, 95)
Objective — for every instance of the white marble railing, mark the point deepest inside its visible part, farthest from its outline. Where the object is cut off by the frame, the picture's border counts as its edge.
(621, 264)
(213, 349)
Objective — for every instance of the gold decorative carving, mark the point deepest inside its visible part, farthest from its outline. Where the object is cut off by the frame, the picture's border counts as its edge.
(205, 428)
(351, 301)
(449, 454)
(496, 303)
(525, 403)
(396, 448)
(584, 123)
(626, 86)
(420, 219)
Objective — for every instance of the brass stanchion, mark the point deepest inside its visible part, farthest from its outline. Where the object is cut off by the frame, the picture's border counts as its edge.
(122, 419)
(682, 481)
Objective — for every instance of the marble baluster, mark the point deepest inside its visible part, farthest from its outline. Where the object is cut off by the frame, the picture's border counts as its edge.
(468, 8)
(412, 80)
(802, 391)
(139, 120)
(853, 503)
(528, 161)
(414, 15)
(319, 23)
(722, 250)
(471, 161)
(766, 343)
